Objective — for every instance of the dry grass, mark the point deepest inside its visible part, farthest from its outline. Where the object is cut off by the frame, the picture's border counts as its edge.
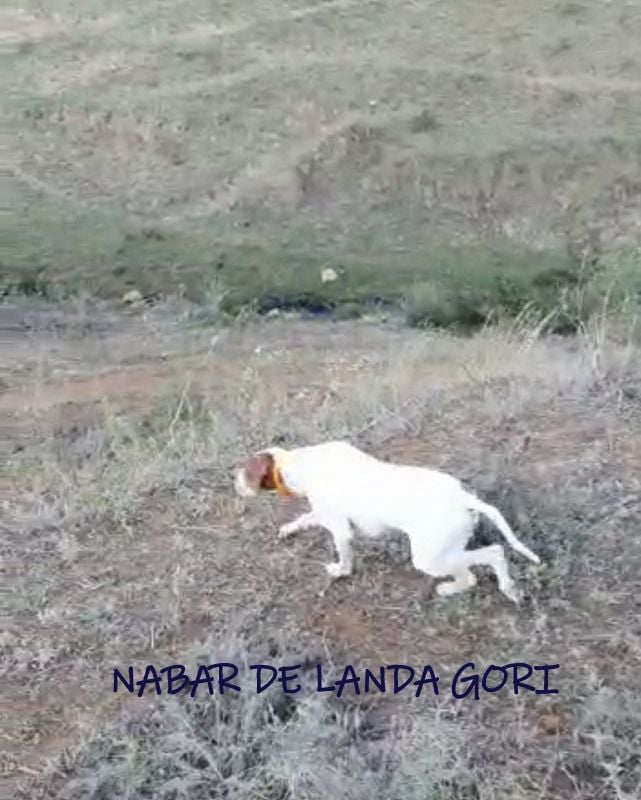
(123, 544)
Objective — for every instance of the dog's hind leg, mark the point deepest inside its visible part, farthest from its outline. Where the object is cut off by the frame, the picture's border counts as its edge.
(342, 534)
(463, 579)
(492, 556)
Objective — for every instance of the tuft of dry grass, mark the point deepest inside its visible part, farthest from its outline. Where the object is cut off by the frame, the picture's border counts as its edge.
(265, 746)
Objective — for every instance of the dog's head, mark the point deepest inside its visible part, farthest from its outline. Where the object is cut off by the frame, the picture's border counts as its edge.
(262, 473)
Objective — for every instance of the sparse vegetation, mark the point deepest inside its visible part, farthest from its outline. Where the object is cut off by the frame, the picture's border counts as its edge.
(451, 288)
(469, 166)
(138, 552)
(262, 746)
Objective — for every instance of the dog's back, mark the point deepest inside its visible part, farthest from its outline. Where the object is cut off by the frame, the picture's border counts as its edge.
(373, 493)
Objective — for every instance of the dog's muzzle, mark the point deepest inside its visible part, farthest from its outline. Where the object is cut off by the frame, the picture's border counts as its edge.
(242, 488)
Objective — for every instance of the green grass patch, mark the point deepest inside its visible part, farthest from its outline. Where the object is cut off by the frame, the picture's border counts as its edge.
(444, 287)
(53, 253)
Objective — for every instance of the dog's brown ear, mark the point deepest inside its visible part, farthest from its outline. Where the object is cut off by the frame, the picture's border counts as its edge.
(259, 472)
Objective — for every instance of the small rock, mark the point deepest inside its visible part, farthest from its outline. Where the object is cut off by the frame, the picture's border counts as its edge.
(132, 297)
(273, 312)
(553, 722)
(328, 275)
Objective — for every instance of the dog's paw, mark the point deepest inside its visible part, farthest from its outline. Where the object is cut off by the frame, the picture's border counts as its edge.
(447, 589)
(513, 594)
(287, 530)
(337, 570)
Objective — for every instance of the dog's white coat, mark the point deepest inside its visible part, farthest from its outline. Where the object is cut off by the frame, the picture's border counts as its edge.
(346, 487)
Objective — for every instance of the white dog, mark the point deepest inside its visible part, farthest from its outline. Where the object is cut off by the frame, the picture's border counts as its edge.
(345, 486)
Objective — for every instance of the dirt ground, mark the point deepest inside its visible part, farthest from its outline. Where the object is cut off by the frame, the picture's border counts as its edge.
(123, 544)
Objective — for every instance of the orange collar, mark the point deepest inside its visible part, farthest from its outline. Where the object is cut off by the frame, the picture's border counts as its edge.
(279, 483)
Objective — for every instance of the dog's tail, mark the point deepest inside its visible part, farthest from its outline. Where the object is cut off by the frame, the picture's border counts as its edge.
(499, 520)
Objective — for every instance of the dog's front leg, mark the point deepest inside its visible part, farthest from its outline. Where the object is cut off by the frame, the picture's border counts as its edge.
(299, 524)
